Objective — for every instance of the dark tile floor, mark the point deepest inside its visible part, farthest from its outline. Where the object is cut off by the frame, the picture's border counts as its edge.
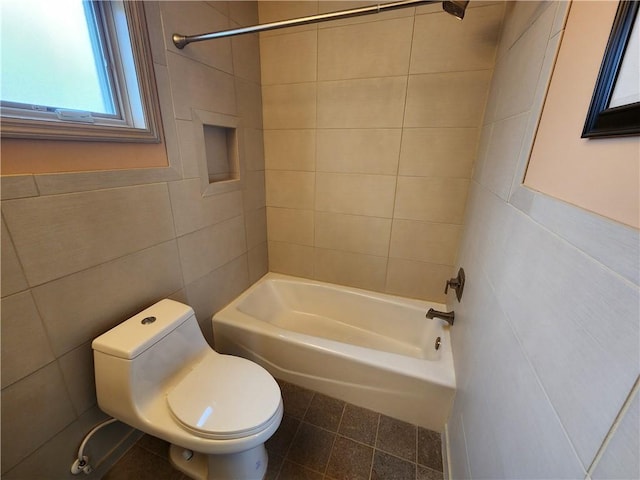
(320, 438)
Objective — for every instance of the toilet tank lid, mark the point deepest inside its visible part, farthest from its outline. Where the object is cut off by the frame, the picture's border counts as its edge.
(133, 336)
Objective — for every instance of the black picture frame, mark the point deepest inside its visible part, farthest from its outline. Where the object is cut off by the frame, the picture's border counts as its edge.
(603, 121)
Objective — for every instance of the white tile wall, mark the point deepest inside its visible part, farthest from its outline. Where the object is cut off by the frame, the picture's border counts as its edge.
(528, 439)
(575, 334)
(521, 70)
(457, 441)
(620, 457)
(546, 338)
(503, 146)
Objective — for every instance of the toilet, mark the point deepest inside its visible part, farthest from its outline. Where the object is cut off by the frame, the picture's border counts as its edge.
(156, 372)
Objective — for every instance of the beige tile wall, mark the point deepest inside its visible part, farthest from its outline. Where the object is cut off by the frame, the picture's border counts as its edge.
(371, 128)
(82, 258)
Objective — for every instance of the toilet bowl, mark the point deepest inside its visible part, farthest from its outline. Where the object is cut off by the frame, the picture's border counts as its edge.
(156, 372)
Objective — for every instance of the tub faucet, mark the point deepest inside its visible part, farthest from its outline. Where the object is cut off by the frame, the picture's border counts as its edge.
(446, 316)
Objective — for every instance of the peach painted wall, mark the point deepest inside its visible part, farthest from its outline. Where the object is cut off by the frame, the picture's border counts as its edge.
(599, 175)
(49, 156)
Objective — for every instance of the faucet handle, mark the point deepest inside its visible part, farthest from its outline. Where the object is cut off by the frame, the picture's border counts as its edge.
(453, 283)
(457, 284)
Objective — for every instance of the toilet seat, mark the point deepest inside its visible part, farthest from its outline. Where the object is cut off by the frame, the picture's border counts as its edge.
(225, 397)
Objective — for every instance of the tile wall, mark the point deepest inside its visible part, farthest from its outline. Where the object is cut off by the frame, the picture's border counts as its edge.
(82, 252)
(546, 336)
(371, 127)
(546, 342)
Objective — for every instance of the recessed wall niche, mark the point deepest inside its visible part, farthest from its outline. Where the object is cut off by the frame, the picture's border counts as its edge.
(219, 146)
(221, 153)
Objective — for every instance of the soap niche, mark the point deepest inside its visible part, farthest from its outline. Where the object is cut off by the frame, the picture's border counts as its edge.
(221, 153)
(219, 147)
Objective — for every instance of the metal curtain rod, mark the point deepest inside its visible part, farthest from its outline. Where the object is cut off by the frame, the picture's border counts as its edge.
(454, 7)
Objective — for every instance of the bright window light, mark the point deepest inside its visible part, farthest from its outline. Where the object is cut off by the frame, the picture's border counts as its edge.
(66, 66)
(72, 62)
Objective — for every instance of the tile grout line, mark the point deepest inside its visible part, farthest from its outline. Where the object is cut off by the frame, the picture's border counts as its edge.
(375, 446)
(293, 437)
(417, 452)
(614, 427)
(335, 438)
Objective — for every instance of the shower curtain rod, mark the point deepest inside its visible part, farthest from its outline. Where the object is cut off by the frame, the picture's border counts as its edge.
(454, 7)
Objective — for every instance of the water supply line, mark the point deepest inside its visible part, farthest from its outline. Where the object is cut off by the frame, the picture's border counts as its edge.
(81, 464)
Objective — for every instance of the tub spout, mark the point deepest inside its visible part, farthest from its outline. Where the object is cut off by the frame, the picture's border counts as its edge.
(446, 316)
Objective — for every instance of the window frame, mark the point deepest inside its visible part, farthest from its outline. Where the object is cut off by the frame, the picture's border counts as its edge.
(603, 121)
(144, 127)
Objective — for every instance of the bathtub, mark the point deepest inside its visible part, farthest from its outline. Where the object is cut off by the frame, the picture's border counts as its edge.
(373, 350)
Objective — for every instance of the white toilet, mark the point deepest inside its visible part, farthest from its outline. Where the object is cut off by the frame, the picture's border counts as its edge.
(157, 373)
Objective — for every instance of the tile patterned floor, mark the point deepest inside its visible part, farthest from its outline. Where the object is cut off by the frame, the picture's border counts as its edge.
(320, 438)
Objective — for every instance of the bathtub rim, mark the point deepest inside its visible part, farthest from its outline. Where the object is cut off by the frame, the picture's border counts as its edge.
(440, 372)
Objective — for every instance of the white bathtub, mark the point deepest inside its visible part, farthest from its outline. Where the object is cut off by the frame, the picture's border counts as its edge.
(370, 349)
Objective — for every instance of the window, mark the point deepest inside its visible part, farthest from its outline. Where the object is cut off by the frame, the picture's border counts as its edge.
(77, 70)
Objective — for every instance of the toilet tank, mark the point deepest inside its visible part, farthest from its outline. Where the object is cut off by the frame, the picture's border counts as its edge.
(138, 359)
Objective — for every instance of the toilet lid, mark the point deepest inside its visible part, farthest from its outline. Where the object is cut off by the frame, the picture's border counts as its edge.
(225, 397)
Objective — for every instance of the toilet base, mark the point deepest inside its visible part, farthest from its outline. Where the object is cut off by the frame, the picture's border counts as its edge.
(250, 464)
